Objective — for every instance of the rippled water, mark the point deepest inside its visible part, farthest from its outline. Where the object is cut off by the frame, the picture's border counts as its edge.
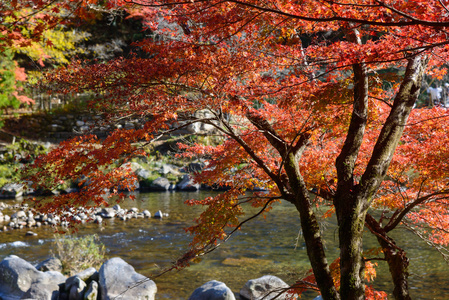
(265, 246)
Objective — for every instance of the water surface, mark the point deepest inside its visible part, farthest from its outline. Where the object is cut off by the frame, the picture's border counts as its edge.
(270, 245)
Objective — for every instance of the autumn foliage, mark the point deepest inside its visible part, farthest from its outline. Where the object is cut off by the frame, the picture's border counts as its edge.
(311, 97)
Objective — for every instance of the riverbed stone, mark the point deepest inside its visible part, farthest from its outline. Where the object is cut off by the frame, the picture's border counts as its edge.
(20, 279)
(158, 215)
(266, 287)
(213, 290)
(116, 278)
(19, 215)
(108, 212)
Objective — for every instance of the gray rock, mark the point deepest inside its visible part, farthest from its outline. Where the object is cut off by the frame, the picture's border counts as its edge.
(11, 190)
(92, 291)
(143, 174)
(50, 264)
(166, 169)
(158, 214)
(146, 213)
(187, 184)
(87, 274)
(41, 291)
(19, 279)
(213, 290)
(108, 212)
(160, 184)
(76, 289)
(119, 279)
(19, 215)
(194, 167)
(266, 287)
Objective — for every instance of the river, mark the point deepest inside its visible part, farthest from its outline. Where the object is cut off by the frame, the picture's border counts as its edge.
(270, 245)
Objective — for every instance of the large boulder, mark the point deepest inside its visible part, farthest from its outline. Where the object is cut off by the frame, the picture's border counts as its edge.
(187, 184)
(266, 287)
(169, 169)
(119, 280)
(50, 264)
(11, 190)
(160, 184)
(20, 279)
(213, 290)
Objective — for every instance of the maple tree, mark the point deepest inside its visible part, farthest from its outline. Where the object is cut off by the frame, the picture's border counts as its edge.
(39, 31)
(315, 100)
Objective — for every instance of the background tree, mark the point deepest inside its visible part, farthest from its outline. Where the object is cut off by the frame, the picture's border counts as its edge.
(312, 97)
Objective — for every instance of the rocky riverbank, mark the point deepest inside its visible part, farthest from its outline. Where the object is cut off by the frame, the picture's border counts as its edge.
(23, 216)
(116, 279)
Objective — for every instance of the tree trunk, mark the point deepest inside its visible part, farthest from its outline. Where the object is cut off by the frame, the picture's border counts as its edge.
(395, 257)
(311, 231)
(352, 199)
(351, 222)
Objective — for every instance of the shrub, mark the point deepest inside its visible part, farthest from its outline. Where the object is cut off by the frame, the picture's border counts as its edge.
(78, 253)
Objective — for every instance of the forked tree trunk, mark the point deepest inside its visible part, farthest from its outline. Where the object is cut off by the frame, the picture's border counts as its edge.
(352, 199)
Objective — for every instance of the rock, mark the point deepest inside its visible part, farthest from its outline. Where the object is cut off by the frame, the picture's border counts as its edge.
(116, 278)
(187, 184)
(133, 210)
(92, 291)
(158, 215)
(143, 174)
(76, 289)
(50, 264)
(11, 190)
(19, 215)
(318, 298)
(146, 213)
(134, 185)
(194, 167)
(19, 279)
(213, 290)
(87, 274)
(30, 233)
(266, 287)
(166, 169)
(98, 220)
(40, 291)
(160, 184)
(108, 213)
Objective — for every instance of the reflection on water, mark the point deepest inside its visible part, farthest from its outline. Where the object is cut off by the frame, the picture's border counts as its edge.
(265, 246)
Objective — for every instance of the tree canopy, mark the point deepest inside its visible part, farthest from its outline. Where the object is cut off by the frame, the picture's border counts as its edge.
(315, 100)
